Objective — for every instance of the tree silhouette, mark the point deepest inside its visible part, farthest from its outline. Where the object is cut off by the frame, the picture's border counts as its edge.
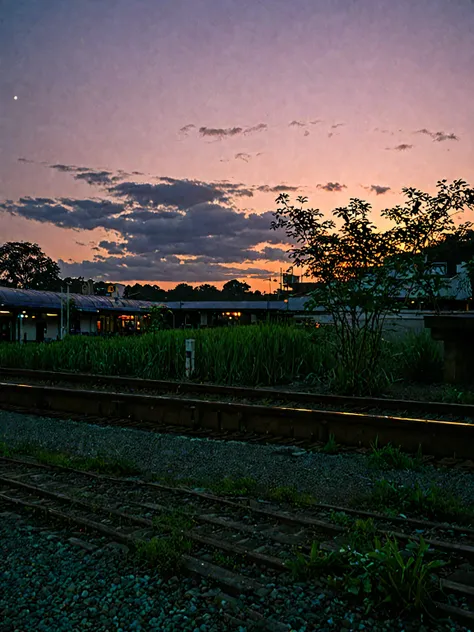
(24, 265)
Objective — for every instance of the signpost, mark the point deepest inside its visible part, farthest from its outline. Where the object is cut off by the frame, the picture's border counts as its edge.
(190, 356)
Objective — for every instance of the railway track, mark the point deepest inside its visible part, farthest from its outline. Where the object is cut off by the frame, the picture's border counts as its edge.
(254, 415)
(243, 545)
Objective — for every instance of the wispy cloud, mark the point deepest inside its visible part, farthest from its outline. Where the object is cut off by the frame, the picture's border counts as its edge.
(243, 156)
(377, 189)
(261, 127)
(332, 187)
(279, 188)
(226, 132)
(438, 137)
(401, 147)
(187, 128)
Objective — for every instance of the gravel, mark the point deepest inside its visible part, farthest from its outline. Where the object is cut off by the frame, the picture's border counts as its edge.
(330, 478)
(48, 584)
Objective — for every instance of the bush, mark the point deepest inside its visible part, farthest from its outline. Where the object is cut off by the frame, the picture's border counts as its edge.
(418, 358)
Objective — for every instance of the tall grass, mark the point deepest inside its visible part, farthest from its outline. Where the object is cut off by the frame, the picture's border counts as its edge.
(265, 355)
(262, 355)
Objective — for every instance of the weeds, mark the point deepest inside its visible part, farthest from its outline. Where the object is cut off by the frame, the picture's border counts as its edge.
(175, 522)
(318, 562)
(386, 575)
(340, 518)
(5, 450)
(362, 535)
(164, 553)
(220, 559)
(381, 573)
(433, 502)
(235, 486)
(117, 466)
(291, 495)
(390, 457)
(331, 446)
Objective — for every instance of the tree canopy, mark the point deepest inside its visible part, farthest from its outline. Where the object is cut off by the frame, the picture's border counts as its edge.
(24, 265)
(363, 272)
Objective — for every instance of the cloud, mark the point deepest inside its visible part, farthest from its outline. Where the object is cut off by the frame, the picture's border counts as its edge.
(332, 187)
(336, 125)
(171, 269)
(441, 136)
(94, 177)
(279, 188)
(187, 128)
(65, 212)
(261, 127)
(179, 194)
(378, 189)
(297, 124)
(156, 224)
(401, 147)
(101, 178)
(302, 124)
(243, 156)
(437, 136)
(225, 132)
(203, 228)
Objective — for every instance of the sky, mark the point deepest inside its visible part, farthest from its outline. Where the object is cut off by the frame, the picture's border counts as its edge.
(147, 140)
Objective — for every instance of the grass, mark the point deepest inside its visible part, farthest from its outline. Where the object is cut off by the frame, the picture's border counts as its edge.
(116, 466)
(432, 502)
(381, 573)
(165, 554)
(176, 521)
(340, 518)
(331, 447)
(390, 457)
(234, 486)
(261, 355)
(291, 496)
(307, 567)
(266, 354)
(5, 450)
(228, 561)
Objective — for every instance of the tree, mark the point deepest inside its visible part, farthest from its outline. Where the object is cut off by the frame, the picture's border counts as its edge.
(207, 292)
(363, 273)
(158, 318)
(145, 292)
(234, 289)
(182, 292)
(24, 265)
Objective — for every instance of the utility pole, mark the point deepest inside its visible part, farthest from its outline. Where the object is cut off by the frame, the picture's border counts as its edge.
(61, 324)
(67, 310)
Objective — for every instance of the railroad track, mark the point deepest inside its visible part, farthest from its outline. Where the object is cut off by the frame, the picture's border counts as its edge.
(258, 415)
(241, 544)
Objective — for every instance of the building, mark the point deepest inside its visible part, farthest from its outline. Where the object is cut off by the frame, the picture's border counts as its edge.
(31, 315)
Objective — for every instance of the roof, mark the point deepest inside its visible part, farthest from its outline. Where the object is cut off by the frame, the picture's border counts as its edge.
(34, 299)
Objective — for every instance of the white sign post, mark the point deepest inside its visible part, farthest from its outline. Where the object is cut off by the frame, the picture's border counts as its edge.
(190, 355)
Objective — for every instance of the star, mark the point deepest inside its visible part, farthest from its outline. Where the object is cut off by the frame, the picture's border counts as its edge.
(15, 98)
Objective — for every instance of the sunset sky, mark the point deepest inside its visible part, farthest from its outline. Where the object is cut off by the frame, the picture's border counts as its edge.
(147, 140)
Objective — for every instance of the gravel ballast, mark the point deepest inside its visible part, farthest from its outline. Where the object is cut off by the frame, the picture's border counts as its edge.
(329, 478)
(48, 584)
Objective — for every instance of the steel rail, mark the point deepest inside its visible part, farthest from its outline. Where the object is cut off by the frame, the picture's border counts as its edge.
(438, 438)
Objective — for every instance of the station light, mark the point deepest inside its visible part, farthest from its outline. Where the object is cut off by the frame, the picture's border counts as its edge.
(4, 311)
(52, 315)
